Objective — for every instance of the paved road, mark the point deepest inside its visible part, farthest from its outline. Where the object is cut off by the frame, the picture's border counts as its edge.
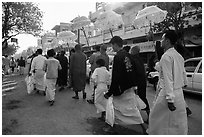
(24, 114)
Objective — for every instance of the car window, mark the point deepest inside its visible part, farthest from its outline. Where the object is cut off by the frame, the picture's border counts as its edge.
(190, 66)
(200, 68)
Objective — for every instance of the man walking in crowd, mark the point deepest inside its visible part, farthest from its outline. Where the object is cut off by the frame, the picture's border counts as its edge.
(122, 84)
(126, 48)
(103, 55)
(6, 63)
(38, 72)
(30, 60)
(141, 76)
(21, 64)
(72, 51)
(168, 115)
(92, 61)
(51, 67)
(159, 52)
(17, 65)
(12, 64)
(63, 73)
(181, 49)
(78, 71)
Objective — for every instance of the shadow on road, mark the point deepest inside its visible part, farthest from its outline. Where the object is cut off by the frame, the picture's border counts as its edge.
(98, 125)
(12, 104)
(192, 96)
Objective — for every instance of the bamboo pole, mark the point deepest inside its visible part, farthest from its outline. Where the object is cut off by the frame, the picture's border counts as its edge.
(111, 32)
(85, 36)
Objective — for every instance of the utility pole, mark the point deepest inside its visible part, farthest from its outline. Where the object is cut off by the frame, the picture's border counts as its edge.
(78, 36)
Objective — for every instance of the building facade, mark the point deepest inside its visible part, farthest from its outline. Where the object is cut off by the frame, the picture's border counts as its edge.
(132, 36)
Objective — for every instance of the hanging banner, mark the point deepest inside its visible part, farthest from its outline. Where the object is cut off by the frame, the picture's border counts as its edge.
(145, 46)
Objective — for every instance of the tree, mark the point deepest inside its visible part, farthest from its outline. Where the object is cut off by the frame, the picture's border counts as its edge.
(176, 16)
(19, 17)
(10, 50)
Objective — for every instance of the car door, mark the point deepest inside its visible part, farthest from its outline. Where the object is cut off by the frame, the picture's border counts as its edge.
(190, 67)
(197, 78)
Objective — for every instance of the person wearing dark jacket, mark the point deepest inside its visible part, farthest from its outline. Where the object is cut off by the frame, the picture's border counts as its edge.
(32, 57)
(63, 73)
(141, 75)
(126, 111)
(21, 64)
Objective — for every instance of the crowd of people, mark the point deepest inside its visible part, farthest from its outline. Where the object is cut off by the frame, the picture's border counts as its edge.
(126, 80)
(12, 65)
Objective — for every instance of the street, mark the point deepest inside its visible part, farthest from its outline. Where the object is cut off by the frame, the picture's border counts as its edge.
(24, 114)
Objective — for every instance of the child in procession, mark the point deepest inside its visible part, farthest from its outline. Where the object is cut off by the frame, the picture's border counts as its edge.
(101, 78)
(51, 67)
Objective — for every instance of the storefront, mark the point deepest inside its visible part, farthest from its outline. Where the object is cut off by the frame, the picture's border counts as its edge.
(146, 50)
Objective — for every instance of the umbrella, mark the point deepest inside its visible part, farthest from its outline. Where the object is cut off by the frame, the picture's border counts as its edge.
(79, 23)
(149, 16)
(67, 26)
(109, 20)
(70, 44)
(66, 37)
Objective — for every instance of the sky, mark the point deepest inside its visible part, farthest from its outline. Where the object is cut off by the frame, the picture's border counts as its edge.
(55, 12)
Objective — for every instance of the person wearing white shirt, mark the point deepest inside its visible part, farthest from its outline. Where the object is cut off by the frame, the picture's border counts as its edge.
(100, 78)
(168, 115)
(51, 66)
(38, 72)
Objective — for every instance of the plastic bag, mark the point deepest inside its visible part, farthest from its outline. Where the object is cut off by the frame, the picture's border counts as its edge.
(9, 71)
(140, 103)
(110, 118)
(30, 83)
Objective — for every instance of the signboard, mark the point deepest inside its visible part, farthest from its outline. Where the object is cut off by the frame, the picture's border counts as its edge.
(14, 40)
(145, 46)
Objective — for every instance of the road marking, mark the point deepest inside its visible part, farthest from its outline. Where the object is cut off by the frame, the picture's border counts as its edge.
(8, 89)
(9, 84)
(5, 82)
(3, 95)
(4, 79)
(10, 75)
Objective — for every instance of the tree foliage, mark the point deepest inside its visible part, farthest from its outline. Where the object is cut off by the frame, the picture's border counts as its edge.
(10, 50)
(177, 15)
(20, 17)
